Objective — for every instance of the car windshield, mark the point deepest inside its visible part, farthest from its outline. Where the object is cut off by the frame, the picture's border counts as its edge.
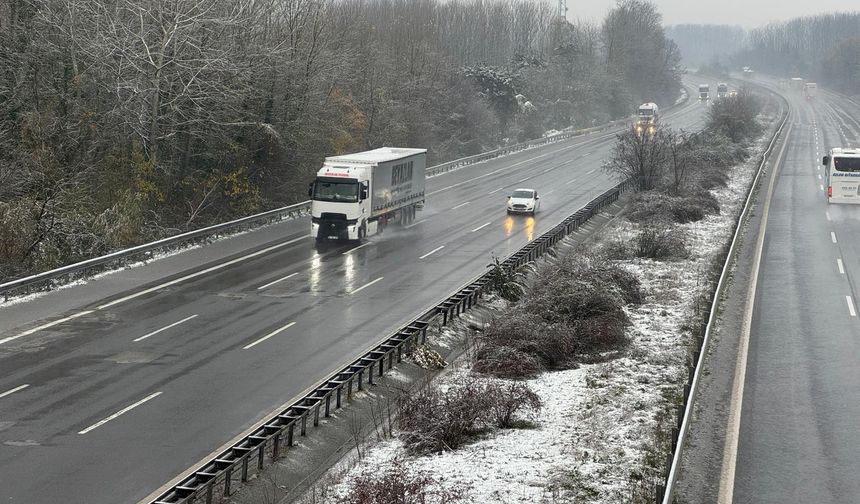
(336, 190)
(523, 194)
(847, 164)
(645, 112)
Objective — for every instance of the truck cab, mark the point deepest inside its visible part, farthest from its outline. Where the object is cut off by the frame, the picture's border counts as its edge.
(704, 92)
(722, 90)
(646, 118)
(810, 90)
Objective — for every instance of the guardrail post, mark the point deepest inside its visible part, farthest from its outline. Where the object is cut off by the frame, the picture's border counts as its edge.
(328, 404)
(261, 455)
(228, 478)
(244, 468)
(276, 448)
(317, 415)
(290, 432)
(304, 423)
(210, 490)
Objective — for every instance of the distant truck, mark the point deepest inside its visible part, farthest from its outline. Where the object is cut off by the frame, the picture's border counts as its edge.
(722, 90)
(796, 83)
(647, 117)
(704, 91)
(357, 195)
(810, 90)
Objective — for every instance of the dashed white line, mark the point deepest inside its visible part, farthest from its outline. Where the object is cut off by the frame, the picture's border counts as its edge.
(355, 248)
(570, 181)
(494, 191)
(120, 413)
(437, 249)
(460, 205)
(482, 226)
(827, 213)
(549, 192)
(851, 309)
(590, 172)
(819, 176)
(841, 266)
(153, 333)
(523, 179)
(45, 326)
(833, 236)
(422, 221)
(202, 272)
(273, 333)
(291, 275)
(12, 391)
(821, 186)
(367, 285)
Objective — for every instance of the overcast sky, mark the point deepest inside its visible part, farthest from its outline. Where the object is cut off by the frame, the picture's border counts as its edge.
(746, 13)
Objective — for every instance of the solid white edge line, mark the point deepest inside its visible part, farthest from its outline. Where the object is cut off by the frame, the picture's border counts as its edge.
(120, 413)
(851, 306)
(366, 285)
(264, 338)
(833, 236)
(460, 205)
(291, 275)
(437, 249)
(202, 272)
(45, 326)
(840, 265)
(153, 333)
(415, 224)
(12, 391)
(356, 248)
(482, 226)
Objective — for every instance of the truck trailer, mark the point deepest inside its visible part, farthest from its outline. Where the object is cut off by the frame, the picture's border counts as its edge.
(810, 90)
(356, 195)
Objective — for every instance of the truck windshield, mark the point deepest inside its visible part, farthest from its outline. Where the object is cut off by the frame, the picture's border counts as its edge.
(342, 191)
(847, 164)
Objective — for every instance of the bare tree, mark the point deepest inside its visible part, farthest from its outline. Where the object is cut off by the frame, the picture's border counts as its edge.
(641, 158)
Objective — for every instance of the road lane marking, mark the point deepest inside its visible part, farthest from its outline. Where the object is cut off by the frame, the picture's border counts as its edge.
(841, 266)
(833, 236)
(153, 333)
(264, 338)
(45, 326)
(494, 191)
(460, 205)
(590, 172)
(482, 226)
(366, 285)
(437, 249)
(120, 413)
(570, 181)
(355, 248)
(291, 275)
(12, 391)
(549, 192)
(523, 179)
(827, 213)
(850, 306)
(202, 272)
(819, 176)
(422, 221)
(821, 186)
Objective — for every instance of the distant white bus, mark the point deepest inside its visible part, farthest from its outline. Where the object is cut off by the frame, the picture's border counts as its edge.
(843, 175)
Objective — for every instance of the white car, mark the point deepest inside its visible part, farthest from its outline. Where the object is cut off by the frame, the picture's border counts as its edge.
(523, 201)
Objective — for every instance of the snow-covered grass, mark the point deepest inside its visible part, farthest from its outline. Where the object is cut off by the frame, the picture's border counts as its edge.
(602, 435)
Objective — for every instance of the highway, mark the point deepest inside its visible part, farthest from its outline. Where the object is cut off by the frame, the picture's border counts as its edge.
(799, 437)
(110, 389)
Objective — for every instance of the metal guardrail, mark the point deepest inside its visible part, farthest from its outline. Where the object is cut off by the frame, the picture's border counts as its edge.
(273, 439)
(47, 278)
(695, 370)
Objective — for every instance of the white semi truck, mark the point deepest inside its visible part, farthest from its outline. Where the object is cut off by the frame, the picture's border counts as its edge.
(722, 90)
(646, 118)
(810, 90)
(357, 195)
(704, 91)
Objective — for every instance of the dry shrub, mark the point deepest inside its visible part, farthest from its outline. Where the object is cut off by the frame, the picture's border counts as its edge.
(660, 243)
(654, 207)
(434, 420)
(399, 485)
(505, 361)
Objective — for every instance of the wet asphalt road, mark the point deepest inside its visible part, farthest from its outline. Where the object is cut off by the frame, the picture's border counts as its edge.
(146, 381)
(800, 421)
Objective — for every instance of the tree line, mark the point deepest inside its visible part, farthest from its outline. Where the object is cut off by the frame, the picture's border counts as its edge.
(122, 121)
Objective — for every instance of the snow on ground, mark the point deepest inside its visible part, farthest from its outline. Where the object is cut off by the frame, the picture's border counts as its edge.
(595, 436)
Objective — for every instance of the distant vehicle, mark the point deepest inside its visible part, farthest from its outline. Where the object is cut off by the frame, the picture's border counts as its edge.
(357, 195)
(733, 93)
(796, 83)
(524, 201)
(810, 90)
(843, 175)
(722, 90)
(748, 72)
(646, 118)
(704, 91)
